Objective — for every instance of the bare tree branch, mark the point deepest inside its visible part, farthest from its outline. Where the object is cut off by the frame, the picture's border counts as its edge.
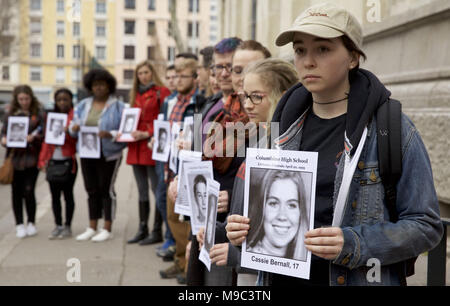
(175, 29)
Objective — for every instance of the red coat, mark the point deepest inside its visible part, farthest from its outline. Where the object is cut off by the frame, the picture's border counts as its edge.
(138, 152)
(69, 149)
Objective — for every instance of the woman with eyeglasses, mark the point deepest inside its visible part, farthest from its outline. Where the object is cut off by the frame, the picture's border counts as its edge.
(264, 83)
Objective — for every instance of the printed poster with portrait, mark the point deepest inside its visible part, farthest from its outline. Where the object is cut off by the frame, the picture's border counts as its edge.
(195, 175)
(188, 129)
(212, 192)
(89, 142)
(182, 205)
(279, 201)
(173, 159)
(55, 129)
(161, 147)
(128, 124)
(17, 132)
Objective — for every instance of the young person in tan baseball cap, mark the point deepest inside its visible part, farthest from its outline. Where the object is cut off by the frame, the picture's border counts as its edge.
(333, 111)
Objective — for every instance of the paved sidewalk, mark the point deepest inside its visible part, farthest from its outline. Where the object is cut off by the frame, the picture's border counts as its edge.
(40, 261)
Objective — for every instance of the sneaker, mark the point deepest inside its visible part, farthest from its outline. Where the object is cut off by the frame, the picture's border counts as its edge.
(21, 231)
(56, 232)
(168, 243)
(31, 229)
(88, 234)
(65, 233)
(181, 278)
(102, 236)
(168, 254)
(171, 272)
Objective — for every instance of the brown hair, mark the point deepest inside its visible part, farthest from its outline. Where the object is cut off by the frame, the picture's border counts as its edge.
(15, 106)
(351, 47)
(253, 45)
(155, 78)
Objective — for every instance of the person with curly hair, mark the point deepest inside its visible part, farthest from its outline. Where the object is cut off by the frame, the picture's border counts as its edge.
(104, 110)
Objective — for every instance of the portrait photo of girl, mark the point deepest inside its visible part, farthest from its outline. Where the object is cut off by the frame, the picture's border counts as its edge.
(278, 210)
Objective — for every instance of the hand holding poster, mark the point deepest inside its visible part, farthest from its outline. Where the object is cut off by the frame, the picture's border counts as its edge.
(195, 175)
(161, 148)
(90, 142)
(182, 205)
(17, 132)
(128, 124)
(282, 186)
(54, 132)
(212, 188)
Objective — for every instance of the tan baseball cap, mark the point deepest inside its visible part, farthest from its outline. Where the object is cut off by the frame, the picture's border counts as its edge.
(324, 20)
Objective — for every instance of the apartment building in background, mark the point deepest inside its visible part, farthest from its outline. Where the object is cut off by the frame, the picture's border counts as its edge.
(9, 49)
(59, 42)
(144, 31)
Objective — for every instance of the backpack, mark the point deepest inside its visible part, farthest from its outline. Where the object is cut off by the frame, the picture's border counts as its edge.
(390, 159)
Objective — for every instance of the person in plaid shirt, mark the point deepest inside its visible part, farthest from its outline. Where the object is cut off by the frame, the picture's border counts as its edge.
(188, 102)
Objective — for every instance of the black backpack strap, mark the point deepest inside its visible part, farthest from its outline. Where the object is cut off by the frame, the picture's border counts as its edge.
(390, 151)
(389, 136)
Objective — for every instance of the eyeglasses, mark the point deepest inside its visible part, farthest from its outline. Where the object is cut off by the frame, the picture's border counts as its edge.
(220, 68)
(255, 98)
(171, 77)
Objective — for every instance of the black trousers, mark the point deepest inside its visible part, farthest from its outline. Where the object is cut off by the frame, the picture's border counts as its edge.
(99, 176)
(67, 189)
(23, 187)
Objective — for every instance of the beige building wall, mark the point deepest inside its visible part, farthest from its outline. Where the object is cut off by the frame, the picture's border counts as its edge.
(66, 70)
(9, 51)
(407, 45)
(160, 42)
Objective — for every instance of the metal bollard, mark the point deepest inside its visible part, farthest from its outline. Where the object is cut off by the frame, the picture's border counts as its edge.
(437, 260)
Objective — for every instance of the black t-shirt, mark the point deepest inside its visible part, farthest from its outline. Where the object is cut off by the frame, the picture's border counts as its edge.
(325, 136)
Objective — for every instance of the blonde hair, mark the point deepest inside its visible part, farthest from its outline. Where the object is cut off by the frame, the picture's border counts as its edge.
(155, 78)
(277, 76)
(187, 63)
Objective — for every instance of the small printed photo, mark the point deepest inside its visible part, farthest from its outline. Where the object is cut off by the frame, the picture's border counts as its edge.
(188, 129)
(182, 202)
(212, 188)
(128, 124)
(17, 132)
(210, 221)
(90, 143)
(199, 197)
(162, 140)
(161, 147)
(55, 133)
(279, 212)
(196, 176)
(128, 127)
(173, 160)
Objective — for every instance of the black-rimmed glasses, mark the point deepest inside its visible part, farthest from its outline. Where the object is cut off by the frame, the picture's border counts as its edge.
(219, 68)
(255, 98)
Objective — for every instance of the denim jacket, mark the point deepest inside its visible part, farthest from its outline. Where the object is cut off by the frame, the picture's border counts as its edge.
(368, 233)
(109, 121)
